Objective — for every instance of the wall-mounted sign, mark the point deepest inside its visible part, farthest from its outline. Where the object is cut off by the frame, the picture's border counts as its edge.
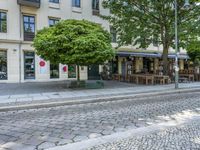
(65, 68)
(43, 66)
(42, 63)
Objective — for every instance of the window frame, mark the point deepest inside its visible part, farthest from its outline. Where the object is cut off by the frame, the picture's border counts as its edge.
(54, 1)
(1, 20)
(55, 20)
(29, 23)
(6, 60)
(75, 4)
(95, 5)
(29, 35)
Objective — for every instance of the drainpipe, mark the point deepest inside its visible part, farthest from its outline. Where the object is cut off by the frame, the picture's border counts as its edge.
(20, 43)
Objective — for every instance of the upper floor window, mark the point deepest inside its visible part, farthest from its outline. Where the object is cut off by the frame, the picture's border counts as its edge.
(29, 28)
(113, 33)
(95, 4)
(76, 3)
(3, 22)
(54, 1)
(53, 21)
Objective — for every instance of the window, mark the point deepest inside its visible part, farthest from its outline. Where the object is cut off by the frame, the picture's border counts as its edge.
(29, 65)
(72, 71)
(54, 1)
(95, 4)
(29, 28)
(54, 71)
(95, 7)
(53, 21)
(3, 22)
(113, 34)
(3, 65)
(76, 3)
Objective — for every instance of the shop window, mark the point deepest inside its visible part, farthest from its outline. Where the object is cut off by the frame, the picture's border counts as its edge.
(3, 65)
(29, 65)
(72, 71)
(54, 71)
(3, 22)
(29, 28)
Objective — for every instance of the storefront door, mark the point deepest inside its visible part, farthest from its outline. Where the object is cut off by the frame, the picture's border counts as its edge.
(3, 65)
(93, 72)
(29, 65)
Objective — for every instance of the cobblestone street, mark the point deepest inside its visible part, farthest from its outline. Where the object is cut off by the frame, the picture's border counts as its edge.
(50, 127)
(184, 137)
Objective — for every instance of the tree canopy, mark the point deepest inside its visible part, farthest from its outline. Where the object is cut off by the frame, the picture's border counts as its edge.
(77, 42)
(194, 50)
(142, 22)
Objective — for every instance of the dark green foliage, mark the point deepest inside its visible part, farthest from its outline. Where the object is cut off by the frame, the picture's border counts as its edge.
(140, 22)
(74, 42)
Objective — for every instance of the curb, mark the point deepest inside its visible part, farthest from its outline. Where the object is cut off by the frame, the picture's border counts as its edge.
(126, 96)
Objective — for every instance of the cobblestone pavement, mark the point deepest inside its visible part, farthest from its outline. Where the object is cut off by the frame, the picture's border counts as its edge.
(44, 128)
(183, 137)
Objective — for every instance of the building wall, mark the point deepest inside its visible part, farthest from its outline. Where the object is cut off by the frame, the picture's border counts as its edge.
(13, 42)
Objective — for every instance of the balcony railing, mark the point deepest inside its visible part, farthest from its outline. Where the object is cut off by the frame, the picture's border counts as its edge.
(31, 3)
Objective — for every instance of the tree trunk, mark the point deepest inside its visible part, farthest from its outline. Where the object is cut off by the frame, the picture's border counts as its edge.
(165, 61)
(78, 73)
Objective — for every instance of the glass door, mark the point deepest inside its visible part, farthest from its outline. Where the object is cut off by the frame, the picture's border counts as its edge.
(29, 65)
(3, 65)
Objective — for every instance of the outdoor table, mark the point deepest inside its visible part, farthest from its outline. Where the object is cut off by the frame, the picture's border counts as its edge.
(162, 78)
(143, 77)
(189, 76)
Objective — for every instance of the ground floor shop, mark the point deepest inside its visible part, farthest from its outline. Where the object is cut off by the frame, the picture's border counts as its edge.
(20, 63)
(147, 68)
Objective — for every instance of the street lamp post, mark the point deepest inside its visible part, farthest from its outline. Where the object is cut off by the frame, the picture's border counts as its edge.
(186, 5)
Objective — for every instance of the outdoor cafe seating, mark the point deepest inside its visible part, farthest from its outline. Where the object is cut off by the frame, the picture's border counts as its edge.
(141, 78)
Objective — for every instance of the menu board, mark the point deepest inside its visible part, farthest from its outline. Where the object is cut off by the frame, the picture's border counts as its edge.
(71, 71)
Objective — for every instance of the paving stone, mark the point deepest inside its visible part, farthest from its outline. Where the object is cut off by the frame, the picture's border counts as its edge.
(94, 135)
(17, 146)
(80, 138)
(64, 142)
(45, 145)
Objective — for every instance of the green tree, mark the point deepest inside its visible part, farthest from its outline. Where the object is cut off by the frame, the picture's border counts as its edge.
(193, 50)
(139, 22)
(78, 42)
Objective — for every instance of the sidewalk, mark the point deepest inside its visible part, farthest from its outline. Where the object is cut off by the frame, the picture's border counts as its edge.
(30, 93)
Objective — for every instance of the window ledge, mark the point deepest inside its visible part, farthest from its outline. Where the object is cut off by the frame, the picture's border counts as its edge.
(77, 9)
(54, 5)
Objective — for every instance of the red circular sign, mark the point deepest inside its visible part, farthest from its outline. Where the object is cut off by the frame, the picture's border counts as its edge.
(42, 63)
(65, 68)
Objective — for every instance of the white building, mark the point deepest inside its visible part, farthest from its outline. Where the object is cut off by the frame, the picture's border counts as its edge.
(19, 22)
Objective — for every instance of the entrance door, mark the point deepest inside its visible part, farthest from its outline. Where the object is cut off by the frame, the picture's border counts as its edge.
(123, 70)
(93, 72)
(29, 65)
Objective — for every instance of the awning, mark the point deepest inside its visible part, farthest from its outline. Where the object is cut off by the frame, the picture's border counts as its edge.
(151, 55)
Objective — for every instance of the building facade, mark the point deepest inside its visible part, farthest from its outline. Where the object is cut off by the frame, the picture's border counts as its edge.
(19, 22)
